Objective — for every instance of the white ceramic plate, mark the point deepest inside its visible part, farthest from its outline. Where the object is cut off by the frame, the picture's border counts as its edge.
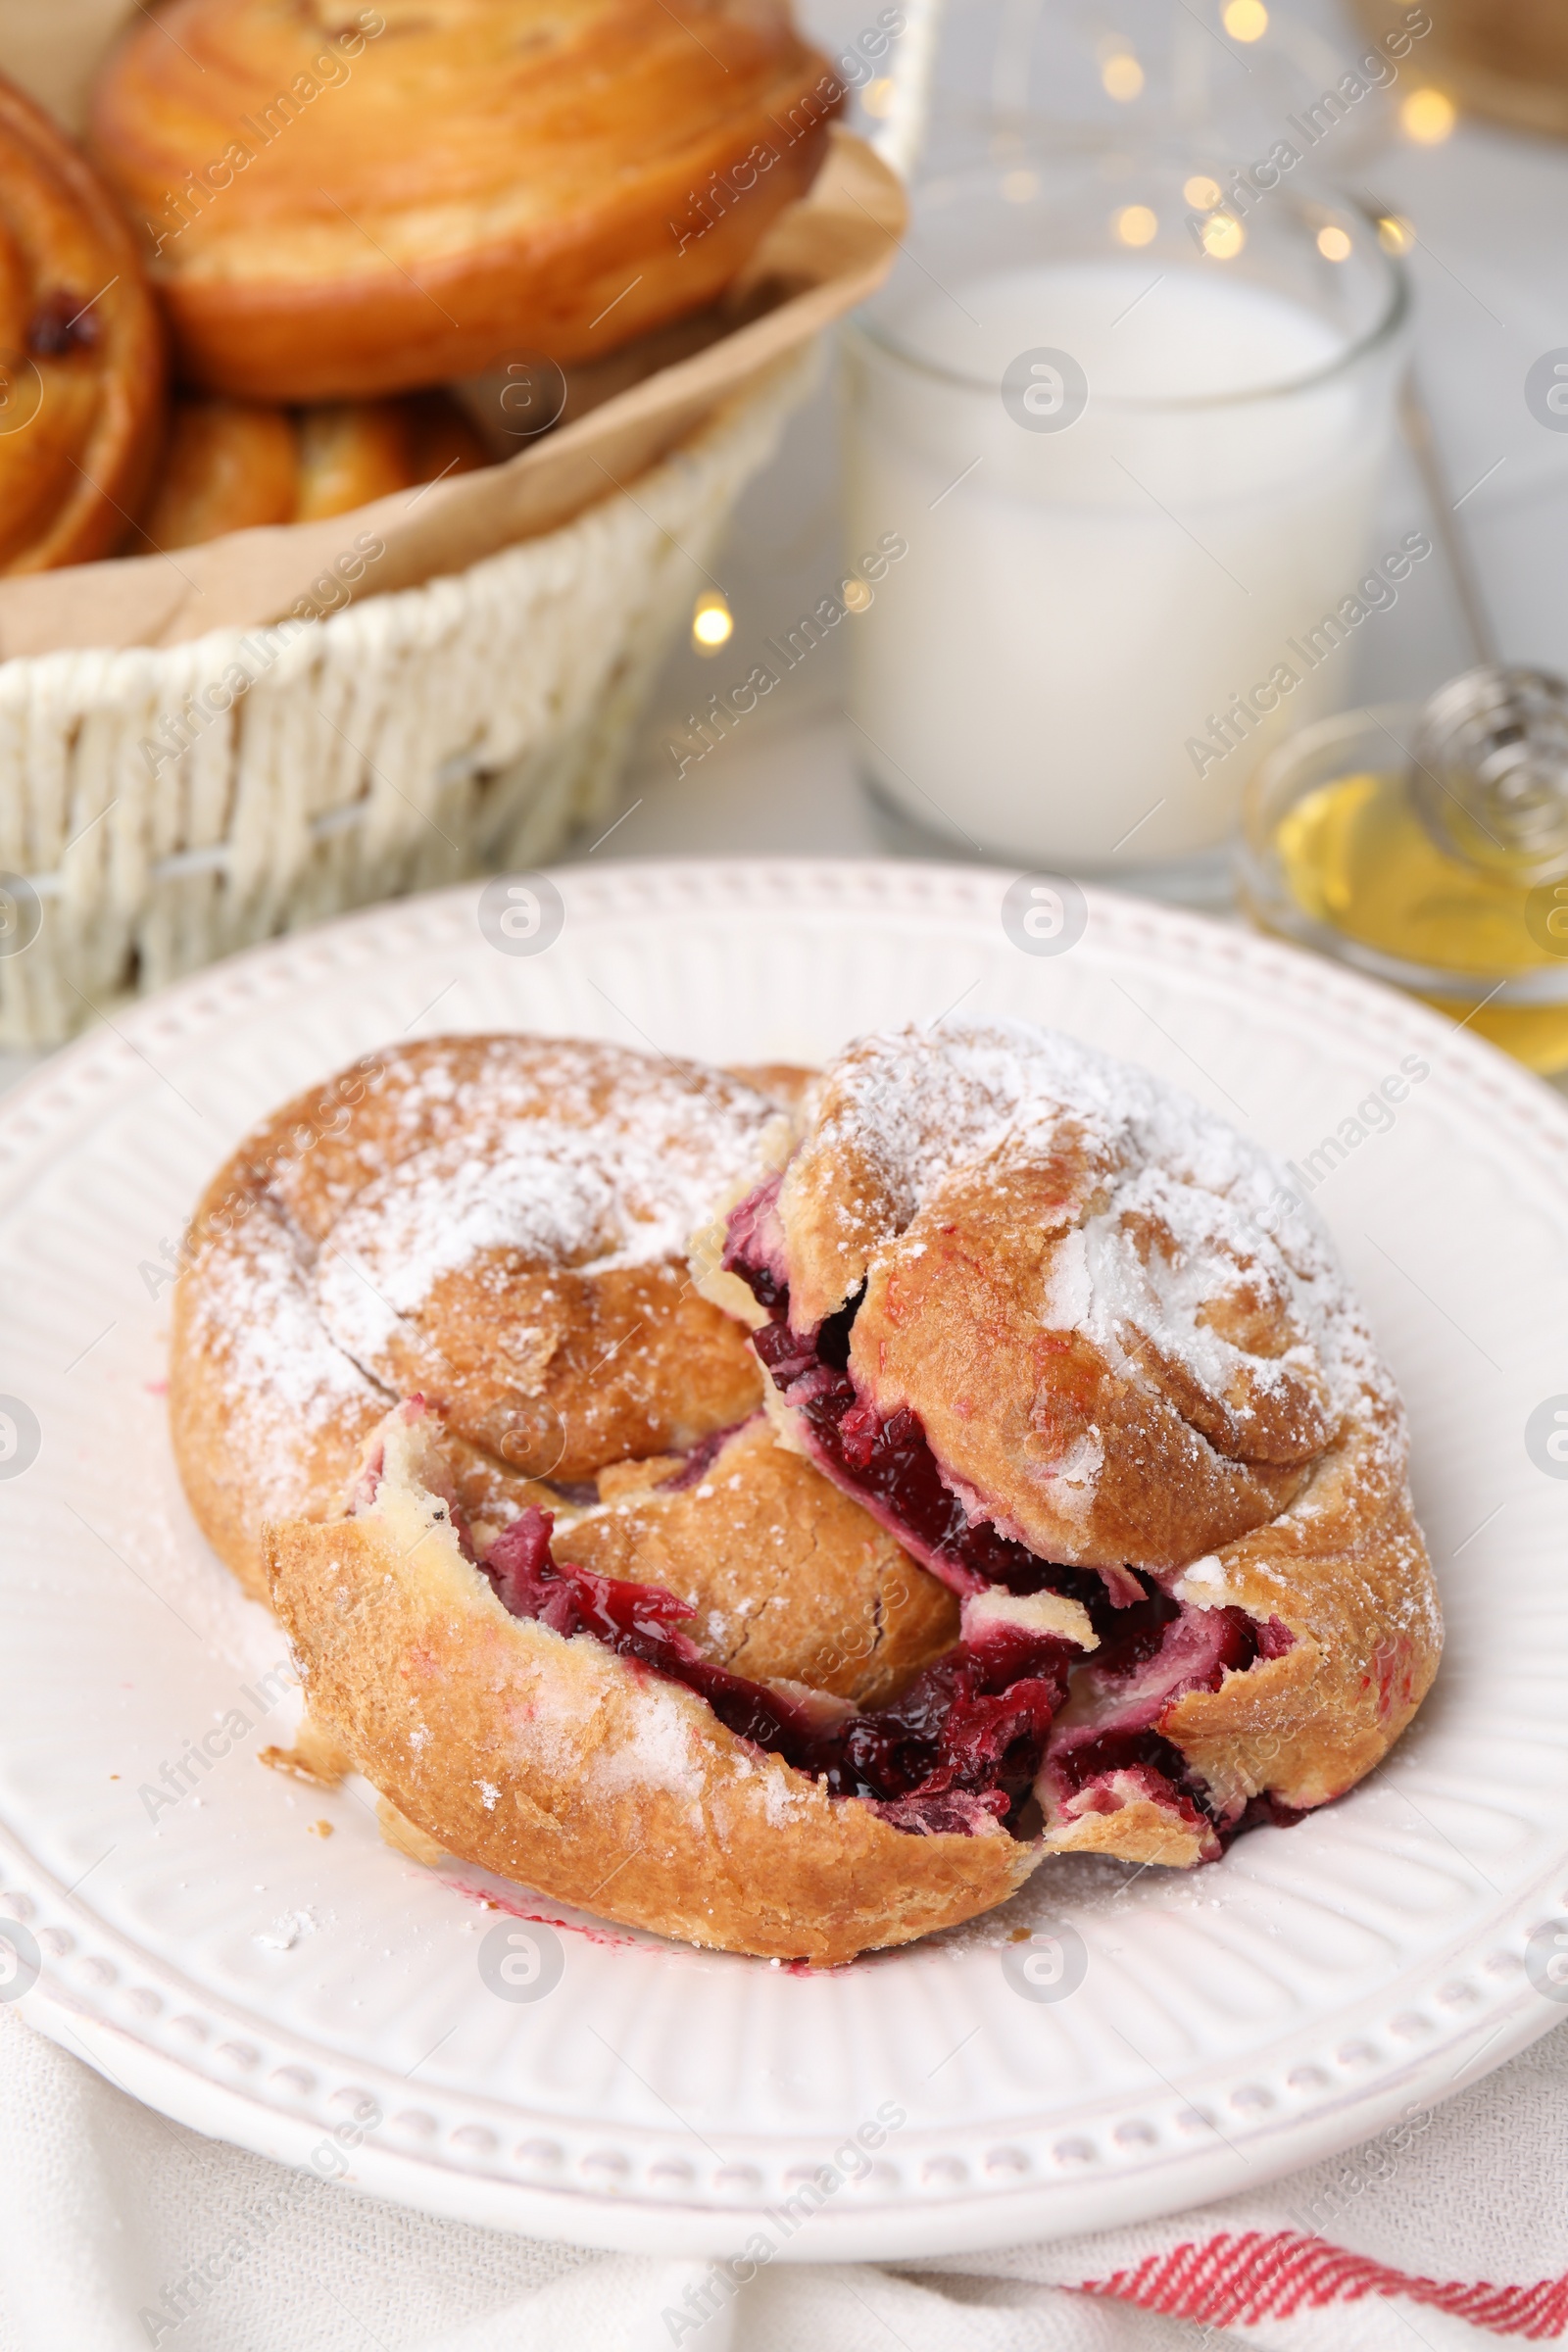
(1233, 2022)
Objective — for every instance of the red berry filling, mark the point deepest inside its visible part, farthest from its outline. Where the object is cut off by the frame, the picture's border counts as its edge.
(889, 1467)
(967, 1739)
(1151, 1651)
(884, 1461)
(1159, 1650)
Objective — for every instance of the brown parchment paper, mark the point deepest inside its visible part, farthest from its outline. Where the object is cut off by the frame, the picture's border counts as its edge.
(820, 258)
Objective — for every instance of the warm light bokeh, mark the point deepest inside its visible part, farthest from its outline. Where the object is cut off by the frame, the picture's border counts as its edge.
(1245, 19)
(1136, 225)
(1122, 75)
(712, 624)
(1223, 236)
(1427, 117)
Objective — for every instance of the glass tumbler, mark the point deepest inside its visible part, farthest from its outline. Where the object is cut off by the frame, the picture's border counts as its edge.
(1126, 423)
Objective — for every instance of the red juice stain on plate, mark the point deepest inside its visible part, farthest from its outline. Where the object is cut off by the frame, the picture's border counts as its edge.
(514, 1908)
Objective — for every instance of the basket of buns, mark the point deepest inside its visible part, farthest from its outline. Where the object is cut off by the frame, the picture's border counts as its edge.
(374, 387)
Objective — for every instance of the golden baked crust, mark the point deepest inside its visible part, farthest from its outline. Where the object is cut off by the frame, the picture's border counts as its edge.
(1092, 1460)
(1346, 1569)
(1181, 1412)
(227, 465)
(584, 1615)
(234, 465)
(324, 1279)
(784, 1083)
(790, 1580)
(1077, 1299)
(559, 1764)
(83, 350)
(343, 204)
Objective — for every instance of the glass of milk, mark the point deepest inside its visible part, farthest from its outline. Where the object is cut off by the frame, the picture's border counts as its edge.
(1129, 422)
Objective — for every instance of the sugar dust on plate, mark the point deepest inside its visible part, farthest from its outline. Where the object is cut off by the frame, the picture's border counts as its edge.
(286, 1931)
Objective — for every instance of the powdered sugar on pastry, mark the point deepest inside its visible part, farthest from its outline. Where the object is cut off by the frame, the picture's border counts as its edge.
(907, 1112)
(609, 1193)
(332, 1226)
(1042, 1314)
(1033, 1313)
(661, 1752)
(281, 1389)
(1004, 1179)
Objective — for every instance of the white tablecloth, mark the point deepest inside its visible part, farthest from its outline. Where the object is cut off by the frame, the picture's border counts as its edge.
(120, 2230)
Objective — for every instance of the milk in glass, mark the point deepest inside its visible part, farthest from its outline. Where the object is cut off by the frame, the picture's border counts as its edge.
(1083, 601)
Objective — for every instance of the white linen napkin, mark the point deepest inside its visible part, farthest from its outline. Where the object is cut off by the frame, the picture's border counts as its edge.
(121, 2231)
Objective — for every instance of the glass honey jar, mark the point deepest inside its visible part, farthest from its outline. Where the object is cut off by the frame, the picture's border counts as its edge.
(1429, 848)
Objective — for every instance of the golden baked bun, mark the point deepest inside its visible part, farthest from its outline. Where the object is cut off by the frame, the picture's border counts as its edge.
(787, 1577)
(350, 452)
(607, 1588)
(82, 353)
(231, 465)
(1006, 1471)
(330, 1276)
(228, 465)
(341, 205)
(1061, 1329)
(509, 1738)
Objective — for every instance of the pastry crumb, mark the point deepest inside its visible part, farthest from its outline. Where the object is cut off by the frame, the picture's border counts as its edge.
(314, 1756)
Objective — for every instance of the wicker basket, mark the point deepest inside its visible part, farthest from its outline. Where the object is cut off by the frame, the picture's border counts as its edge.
(162, 807)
